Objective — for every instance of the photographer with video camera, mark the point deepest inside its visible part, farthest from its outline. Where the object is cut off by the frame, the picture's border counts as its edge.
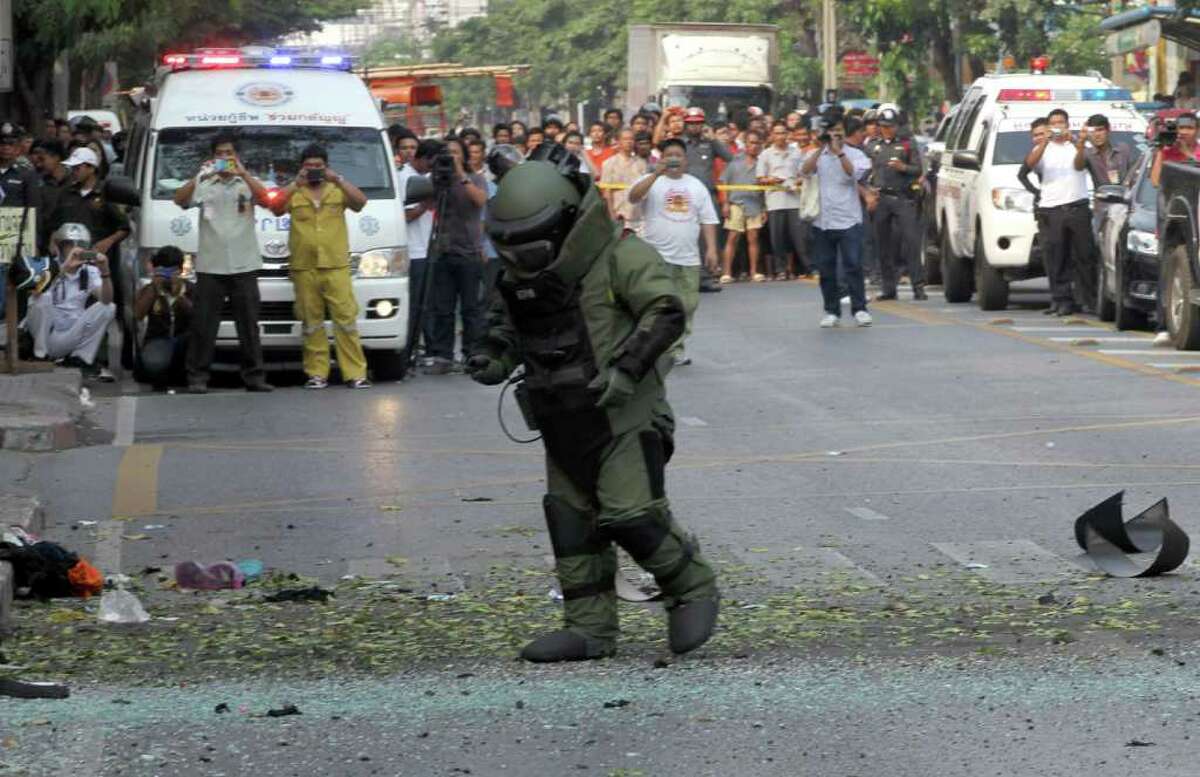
(319, 242)
(456, 258)
(165, 304)
(1174, 142)
(60, 321)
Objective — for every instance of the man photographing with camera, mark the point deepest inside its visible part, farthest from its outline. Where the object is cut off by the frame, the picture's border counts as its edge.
(838, 228)
(227, 262)
(320, 270)
(60, 320)
(1060, 160)
(1178, 145)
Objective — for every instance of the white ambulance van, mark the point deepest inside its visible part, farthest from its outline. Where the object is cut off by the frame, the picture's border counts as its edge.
(985, 221)
(275, 103)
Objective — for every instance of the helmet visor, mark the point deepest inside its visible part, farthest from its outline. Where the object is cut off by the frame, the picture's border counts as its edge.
(530, 257)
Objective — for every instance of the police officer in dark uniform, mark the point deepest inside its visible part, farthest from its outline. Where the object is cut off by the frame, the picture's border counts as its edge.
(701, 153)
(896, 166)
(18, 179)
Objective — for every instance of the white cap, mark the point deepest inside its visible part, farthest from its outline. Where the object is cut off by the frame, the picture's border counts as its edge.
(82, 156)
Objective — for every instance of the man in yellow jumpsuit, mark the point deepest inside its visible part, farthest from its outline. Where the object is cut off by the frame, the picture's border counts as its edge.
(320, 267)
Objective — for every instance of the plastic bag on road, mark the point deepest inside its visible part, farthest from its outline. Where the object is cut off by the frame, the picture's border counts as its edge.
(121, 607)
(190, 574)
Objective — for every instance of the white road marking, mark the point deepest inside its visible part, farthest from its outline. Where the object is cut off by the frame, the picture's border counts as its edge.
(840, 562)
(866, 513)
(1146, 340)
(1148, 350)
(691, 420)
(108, 547)
(1057, 329)
(1010, 561)
(126, 421)
(1172, 366)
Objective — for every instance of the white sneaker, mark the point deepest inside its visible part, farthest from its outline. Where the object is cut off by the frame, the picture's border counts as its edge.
(1163, 340)
(829, 321)
(863, 318)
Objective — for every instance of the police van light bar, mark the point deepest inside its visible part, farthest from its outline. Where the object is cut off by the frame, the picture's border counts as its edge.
(212, 60)
(1064, 95)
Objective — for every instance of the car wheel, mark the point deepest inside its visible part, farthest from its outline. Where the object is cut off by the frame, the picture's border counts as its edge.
(388, 365)
(956, 274)
(1183, 320)
(1124, 316)
(1104, 304)
(991, 287)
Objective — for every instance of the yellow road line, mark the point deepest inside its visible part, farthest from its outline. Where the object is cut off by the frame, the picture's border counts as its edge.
(136, 490)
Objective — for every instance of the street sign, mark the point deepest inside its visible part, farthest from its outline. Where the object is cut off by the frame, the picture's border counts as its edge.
(860, 63)
(10, 231)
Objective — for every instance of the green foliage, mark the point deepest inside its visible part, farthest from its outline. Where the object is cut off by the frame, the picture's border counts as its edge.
(134, 32)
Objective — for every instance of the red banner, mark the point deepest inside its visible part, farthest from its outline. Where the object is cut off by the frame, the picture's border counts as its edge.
(504, 92)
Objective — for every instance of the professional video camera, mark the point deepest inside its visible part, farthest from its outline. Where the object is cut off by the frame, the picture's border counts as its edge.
(443, 173)
(1168, 133)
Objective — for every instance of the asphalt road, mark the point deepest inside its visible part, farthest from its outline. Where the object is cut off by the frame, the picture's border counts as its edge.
(891, 509)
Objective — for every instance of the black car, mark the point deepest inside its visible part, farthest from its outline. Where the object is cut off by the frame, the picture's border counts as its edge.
(931, 161)
(1127, 291)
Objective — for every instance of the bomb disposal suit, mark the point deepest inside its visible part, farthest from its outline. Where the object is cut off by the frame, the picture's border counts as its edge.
(590, 315)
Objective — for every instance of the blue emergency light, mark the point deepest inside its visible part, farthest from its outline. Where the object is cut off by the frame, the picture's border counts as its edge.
(218, 59)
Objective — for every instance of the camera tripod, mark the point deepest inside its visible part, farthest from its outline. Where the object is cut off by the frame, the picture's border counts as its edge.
(437, 244)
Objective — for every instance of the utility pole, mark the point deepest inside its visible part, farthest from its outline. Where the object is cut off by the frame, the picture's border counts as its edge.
(829, 45)
(6, 46)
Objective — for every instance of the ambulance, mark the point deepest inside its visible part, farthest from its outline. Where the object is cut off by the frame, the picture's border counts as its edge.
(275, 103)
(984, 217)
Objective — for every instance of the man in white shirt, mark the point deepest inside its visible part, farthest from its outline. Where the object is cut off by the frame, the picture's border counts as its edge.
(779, 165)
(838, 229)
(59, 319)
(419, 216)
(676, 209)
(1061, 163)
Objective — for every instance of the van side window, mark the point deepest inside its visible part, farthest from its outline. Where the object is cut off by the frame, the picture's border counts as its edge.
(133, 153)
(971, 113)
(985, 132)
(959, 118)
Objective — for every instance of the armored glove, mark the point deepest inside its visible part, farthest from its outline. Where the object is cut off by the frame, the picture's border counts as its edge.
(486, 370)
(618, 388)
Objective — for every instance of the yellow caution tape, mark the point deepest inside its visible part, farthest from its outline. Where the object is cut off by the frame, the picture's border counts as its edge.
(723, 187)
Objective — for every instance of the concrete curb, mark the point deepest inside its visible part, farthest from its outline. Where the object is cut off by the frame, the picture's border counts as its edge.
(40, 412)
(25, 512)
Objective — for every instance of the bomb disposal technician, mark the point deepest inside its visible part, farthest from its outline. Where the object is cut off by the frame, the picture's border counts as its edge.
(591, 316)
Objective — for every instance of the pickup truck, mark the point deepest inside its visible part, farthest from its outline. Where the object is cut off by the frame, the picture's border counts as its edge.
(1179, 205)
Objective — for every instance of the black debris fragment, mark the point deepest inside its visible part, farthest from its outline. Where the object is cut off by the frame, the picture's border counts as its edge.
(284, 711)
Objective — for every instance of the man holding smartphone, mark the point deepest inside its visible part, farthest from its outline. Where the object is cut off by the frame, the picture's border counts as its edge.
(838, 229)
(60, 320)
(320, 270)
(227, 262)
(1060, 161)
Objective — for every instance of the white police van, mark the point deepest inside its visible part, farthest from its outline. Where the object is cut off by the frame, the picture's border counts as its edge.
(275, 103)
(984, 216)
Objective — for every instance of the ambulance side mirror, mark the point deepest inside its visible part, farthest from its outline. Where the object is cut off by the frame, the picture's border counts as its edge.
(966, 160)
(121, 190)
(418, 189)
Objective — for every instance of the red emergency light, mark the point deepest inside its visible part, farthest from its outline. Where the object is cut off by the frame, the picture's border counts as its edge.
(1025, 95)
(175, 60)
(220, 60)
(1039, 65)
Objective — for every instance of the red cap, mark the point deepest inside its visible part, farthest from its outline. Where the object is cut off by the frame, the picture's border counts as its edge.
(694, 114)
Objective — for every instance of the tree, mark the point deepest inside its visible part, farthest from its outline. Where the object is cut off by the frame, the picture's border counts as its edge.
(135, 32)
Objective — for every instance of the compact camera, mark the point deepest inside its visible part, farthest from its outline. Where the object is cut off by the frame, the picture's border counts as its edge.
(315, 175)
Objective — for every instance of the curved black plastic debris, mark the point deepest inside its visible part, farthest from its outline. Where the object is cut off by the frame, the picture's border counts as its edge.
(1148, 544)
